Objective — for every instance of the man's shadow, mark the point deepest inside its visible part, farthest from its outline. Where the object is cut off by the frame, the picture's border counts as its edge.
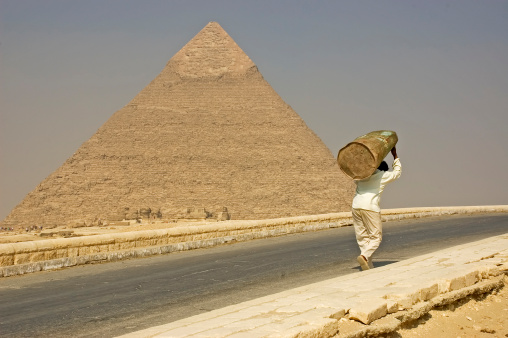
(377, 264)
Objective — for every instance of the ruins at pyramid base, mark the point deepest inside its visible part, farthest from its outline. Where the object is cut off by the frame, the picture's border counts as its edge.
(207, 138)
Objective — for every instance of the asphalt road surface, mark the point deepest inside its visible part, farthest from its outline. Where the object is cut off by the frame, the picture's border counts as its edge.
(106, 300)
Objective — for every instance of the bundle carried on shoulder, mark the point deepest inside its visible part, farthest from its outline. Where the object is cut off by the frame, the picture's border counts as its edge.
(359, 159)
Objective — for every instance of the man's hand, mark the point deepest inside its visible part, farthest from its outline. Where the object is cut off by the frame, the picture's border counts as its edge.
(394, 153)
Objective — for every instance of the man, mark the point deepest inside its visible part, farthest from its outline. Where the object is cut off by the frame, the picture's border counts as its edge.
(366, 211)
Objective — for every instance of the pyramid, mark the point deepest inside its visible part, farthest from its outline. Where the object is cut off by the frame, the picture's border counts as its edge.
(207, 135)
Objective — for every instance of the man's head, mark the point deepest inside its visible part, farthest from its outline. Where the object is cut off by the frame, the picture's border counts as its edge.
(383, 166)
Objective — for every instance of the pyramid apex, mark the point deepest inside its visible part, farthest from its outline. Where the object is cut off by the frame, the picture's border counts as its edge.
(211, 53)
(214, 25)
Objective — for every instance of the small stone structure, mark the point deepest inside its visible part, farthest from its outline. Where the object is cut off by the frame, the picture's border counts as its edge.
(223, 215)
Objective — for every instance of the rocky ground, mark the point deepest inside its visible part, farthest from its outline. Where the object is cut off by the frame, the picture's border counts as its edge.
(484, 315)
(478, 316)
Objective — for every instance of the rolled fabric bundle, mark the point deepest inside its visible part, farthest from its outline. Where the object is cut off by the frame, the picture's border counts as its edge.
(359, 159)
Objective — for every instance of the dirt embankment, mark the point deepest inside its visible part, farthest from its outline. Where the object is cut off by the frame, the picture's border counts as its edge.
(476, 316)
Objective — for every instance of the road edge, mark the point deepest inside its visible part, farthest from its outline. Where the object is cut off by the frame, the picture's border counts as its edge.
(28, 257)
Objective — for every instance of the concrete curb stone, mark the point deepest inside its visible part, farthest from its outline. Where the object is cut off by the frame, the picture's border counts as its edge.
(383, 306)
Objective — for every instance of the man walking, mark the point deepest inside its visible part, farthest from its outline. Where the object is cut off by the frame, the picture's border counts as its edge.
(366, 211)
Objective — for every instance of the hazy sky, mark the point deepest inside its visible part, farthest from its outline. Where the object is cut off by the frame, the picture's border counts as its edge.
(436, 72)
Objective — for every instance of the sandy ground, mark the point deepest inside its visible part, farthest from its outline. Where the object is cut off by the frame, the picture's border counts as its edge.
(478, 316)
(63, 231)
(483, 315)
(21, 235)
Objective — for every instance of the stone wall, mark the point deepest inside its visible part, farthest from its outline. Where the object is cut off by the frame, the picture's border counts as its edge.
(25, 257)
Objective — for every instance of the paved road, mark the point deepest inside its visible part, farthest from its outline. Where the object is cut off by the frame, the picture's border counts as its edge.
(105, 300)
